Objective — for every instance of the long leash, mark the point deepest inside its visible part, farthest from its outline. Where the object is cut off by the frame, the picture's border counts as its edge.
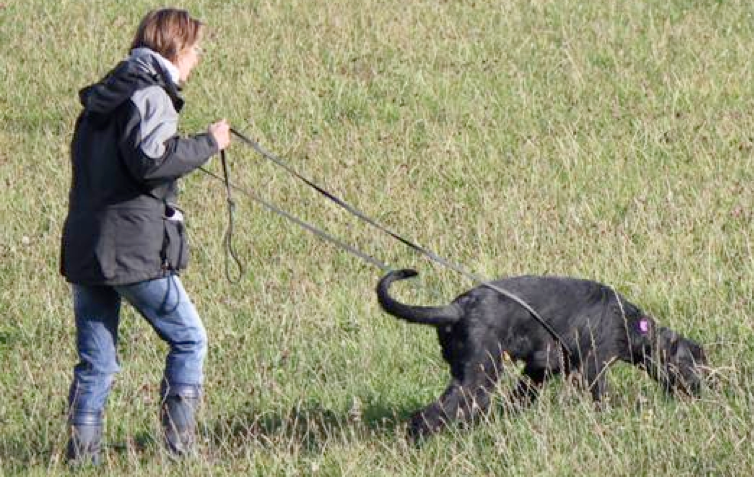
(356, 212)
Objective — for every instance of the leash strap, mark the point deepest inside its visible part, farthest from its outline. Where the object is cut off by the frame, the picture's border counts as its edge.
(475, 278)
(311, 228)
(230, 251)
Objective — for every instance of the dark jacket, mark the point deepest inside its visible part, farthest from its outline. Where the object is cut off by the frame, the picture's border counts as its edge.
(126, 157)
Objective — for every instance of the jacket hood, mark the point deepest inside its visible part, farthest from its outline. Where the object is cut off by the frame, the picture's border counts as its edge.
(139, 70)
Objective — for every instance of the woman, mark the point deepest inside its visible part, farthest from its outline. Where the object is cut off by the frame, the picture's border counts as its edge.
(124, 236)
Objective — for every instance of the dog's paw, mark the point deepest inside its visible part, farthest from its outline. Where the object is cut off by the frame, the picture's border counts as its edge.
(420, 428)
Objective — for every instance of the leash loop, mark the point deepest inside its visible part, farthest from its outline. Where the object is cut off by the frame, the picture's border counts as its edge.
(230, 251)
(311, 228)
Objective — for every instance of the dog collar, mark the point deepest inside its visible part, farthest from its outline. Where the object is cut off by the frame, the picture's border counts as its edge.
(643, 325)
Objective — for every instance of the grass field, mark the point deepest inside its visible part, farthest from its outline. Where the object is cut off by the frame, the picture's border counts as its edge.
(599, 138)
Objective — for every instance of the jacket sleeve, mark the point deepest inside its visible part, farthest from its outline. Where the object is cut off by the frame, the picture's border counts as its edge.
(152, 150)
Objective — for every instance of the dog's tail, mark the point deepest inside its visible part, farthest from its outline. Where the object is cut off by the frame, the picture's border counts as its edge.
(427, 315)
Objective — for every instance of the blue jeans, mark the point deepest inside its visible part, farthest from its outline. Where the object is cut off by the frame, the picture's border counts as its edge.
(163, 302)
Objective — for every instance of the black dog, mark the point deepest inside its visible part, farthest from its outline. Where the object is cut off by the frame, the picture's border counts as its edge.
(597, 327)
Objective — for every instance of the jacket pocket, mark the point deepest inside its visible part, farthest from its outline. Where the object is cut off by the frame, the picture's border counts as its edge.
(175, 253)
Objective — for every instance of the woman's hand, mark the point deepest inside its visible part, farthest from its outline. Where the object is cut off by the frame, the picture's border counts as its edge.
(221, 132)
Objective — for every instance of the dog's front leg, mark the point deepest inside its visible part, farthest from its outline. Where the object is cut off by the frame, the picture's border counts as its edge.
(595, 378)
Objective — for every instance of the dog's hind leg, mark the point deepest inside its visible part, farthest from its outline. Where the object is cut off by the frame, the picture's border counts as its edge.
(434, 417)
(464, 399)
(456, 403)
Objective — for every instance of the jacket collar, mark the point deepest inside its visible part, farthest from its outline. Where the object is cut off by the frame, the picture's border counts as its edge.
(164, 70)
(166, 65)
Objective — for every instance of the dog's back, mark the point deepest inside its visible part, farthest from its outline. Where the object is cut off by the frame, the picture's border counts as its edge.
(582, 315)
(552, 297)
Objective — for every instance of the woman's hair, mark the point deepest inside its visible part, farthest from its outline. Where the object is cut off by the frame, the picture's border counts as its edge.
(168, 31)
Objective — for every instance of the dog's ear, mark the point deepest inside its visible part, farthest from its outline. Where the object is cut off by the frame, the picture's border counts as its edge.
(702, 358)
(669, 341)
(673, 344)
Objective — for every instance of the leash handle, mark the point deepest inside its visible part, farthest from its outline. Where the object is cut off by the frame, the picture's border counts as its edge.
(230, 252)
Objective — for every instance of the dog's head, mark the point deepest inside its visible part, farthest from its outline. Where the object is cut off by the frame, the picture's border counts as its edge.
(678, 363)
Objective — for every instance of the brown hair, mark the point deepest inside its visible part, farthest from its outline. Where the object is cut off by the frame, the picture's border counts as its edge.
(168, 31)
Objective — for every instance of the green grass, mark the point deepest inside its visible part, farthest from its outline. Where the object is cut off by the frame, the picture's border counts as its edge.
(605, 139)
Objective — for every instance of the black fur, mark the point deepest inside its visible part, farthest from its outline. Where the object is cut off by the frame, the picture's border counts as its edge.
(598, 326)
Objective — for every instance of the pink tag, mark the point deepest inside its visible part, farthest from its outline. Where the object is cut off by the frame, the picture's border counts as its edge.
(643, 326)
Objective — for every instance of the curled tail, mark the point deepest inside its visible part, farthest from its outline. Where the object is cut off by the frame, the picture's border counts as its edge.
(427, 315)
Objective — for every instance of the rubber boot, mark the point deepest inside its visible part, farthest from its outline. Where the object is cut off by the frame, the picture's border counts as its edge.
(85, 438)
(178, 418)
